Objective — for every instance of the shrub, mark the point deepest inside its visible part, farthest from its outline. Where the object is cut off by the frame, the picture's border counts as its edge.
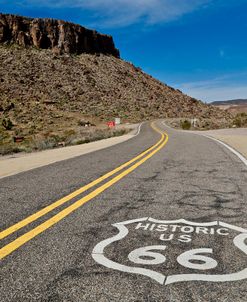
(243, 114)
(7, 124)
(185, 125)
(10, 149)
(240, 120)
(237, 121)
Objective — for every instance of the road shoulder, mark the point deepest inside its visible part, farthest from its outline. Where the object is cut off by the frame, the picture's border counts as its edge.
(14, 164)
(235, 139)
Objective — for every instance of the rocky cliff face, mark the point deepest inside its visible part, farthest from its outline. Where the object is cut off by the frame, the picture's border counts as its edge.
(60, 36)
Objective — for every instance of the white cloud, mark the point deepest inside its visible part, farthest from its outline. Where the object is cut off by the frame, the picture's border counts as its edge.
(218, 93)
(127, 12)
(222, 88)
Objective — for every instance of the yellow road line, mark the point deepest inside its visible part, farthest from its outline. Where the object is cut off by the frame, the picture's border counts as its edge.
(67, 198)
(17, 243)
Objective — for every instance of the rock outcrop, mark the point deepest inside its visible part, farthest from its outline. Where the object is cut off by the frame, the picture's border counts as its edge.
(58, 35)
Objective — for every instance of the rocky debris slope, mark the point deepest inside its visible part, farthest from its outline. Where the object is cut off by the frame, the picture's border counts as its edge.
(36, 85)
(60, 36)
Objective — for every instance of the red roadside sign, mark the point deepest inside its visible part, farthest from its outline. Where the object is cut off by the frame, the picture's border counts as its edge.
(111, 124)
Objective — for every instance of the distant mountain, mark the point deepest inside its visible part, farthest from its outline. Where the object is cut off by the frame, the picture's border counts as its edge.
(230, 102)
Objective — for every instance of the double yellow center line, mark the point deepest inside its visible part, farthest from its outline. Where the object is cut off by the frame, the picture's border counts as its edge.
(21, 240)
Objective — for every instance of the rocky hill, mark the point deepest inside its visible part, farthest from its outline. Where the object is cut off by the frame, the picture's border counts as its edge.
(50, 92)
(93, 85)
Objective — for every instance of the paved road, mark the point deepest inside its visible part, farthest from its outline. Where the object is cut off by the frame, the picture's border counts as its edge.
(61, 253)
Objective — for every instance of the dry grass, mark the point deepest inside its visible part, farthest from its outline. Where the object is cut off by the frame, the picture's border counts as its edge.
(53, 140)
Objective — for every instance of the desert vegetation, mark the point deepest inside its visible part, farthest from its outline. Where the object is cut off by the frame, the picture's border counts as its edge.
(240, 120)
(14, 141)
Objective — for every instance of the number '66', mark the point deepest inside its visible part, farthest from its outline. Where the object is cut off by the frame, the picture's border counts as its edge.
(191, 259)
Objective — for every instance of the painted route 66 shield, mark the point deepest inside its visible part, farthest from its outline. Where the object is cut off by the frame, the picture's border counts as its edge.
(176, 251)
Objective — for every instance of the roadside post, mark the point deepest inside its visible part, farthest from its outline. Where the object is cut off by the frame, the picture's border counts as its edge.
(117, 121)
(194, 122)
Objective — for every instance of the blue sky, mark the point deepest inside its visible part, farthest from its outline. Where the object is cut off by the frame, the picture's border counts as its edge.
(198, 46)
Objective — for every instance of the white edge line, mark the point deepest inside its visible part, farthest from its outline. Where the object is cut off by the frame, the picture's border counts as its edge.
(139, 129)
(239, 155)
(169, 126)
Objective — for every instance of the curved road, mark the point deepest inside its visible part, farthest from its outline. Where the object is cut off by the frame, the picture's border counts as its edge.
(169, 226)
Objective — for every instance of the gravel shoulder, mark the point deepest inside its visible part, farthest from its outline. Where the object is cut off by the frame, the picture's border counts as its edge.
(14, 164)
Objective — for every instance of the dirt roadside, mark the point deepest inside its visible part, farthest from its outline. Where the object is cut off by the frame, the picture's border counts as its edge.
(235, 138)
(17, 163)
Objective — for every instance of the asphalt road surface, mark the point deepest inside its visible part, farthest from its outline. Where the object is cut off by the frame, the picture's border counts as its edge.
(170, 225)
